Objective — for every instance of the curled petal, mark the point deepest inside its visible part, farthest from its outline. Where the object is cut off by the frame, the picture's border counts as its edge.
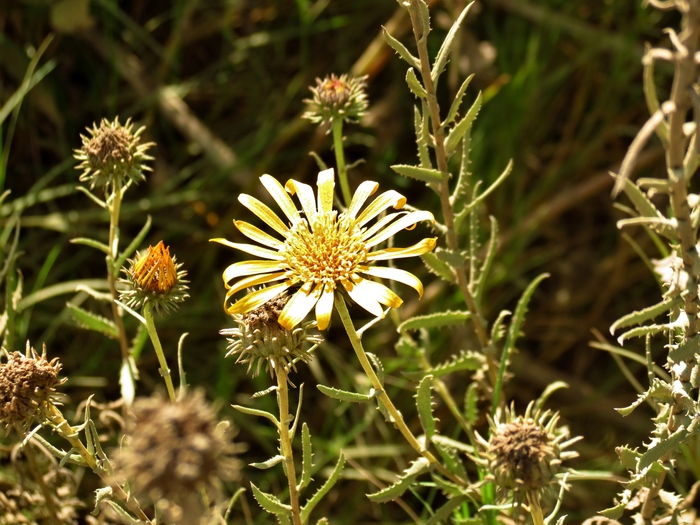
(257, 298)
(256, 234)
(404, 222)
(282, 198)
(299, 306)
(369, 294)
(243, 268)
(388, 198)
(361, 195)
(252, 249)
(394, 274)
(254, 280)
(381, 224)
(419, 248)
(264, 212)
(305, 194)
(325, 184)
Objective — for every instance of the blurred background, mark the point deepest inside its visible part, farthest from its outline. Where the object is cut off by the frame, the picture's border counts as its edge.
(220, 87)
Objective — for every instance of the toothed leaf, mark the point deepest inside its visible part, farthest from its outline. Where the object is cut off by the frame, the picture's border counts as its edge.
(344, 395)
(457, 102)
(275, 460)
(436, 320)
(465, 360)
(446, 47)
(672, 442)
(269, 502)
(451, 459)
(417, 467)
(306, 457)
(642, 331)
(645, 314)
(414, 84)
(686, 350)
(443, 514)
(94, 322)
(438, 267)
(471, 400)
(428, 175)
(401, 49)
(328, 485)
(458, 131)
(424, 404)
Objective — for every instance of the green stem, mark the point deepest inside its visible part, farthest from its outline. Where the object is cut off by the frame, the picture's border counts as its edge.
(382, 396)
(112, 272)
(337, 127)
(153, 334)
(286, 444)
(535, 508)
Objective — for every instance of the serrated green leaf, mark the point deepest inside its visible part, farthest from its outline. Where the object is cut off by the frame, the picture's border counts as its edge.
(628, 457)
(269, 502)
(457, 132)
(306, 457)
(446, 47)
(453, 443)
(94, 322)
(465, 360)
(488, 260)
(457, 102)
(259, 413)
(401, 49)
(662, 448)
(420, 123)
(92, 243)
(396, 490)
(428, 175)
(641, 202)
(451, 459)
(378, 367)
(686, 350)
(424, 14)
(471, 407)
(482, 196)
(424, 404)
(659, 390)
(443, 513)
(438, 267)
(263, 465)
(344, 395)
(283, 520)
(614, 513)
(436, 320)
(645, 314)
(414, 84)
(328, 485)
(642, 331)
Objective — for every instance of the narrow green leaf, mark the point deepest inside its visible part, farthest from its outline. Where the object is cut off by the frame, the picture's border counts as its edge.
(91, 321)
(60, 289)
(414, 84)
(306, 457)
(453, 443)
(328, 485)
(319, 161)
(651, 97)
(457, 102)
(458, 131)
(662, 448)
(645, 314)
(436, 320)
(642, 331)
(424, 404)
(275, 460)
(135, 243)
(614, 513)
(488, 191)
(465, 360)
(420, 123)
(438, 267)
(428, 175)
(378, 367)
(446, 46)
(451, 459)
(488, 260)
(443, 514)
(269, 502)
(396, 490)
(471, 403)
(344, 395)
(686, 350)
(92, 243)
(401, 49)
(259, 413)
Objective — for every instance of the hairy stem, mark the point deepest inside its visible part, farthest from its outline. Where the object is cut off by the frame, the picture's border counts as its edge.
(286, 443)
(337, 127)
(153, 334)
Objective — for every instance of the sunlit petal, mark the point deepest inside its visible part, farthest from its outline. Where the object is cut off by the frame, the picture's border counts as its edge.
(394, 274)
(305, 194)
(243, 268)
(256, 234)
(364, 297)
(252, 249)
(257, 298)
(404, 222)
(298, 307)
(324, 307)
(419, 248)
(361, 195)
(254, 280)
(326, 184)
(382, 223)
(282, 198)
(264, 212)
(387, 199)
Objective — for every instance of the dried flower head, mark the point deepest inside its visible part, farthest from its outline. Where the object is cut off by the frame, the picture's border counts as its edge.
(175, 450)
(258, 337)
(27, 387)
(336, 97)
(323, 251)
(154, 277)
(113, 154)
(525, 453)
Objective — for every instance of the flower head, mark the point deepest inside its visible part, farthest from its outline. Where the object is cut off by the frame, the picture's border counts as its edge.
(27, 386)
(113, 153)
(323, 250)
(154, 277)
(337, 97)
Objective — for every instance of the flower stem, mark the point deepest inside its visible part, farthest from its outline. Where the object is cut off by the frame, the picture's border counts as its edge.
(153, 334)
(382, 396)
(71, 435)
(535, 508)
(286, 443)
(337, 127)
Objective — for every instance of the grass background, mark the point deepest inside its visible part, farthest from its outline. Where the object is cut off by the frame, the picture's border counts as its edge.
(220, 85)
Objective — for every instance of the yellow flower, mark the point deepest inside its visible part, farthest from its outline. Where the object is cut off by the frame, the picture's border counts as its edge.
(322, 249)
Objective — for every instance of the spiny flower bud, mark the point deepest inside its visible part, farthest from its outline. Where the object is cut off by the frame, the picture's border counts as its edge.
(27, 386)
(258, 337)
(113, 153)
(154, 277)
(337, 97)
(174, 450)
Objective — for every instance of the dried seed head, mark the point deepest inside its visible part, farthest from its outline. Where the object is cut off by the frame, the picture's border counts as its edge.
(113, 154)
(27, 387)
(258, 337)
(154, 277)
(336, 97)
(174, 450)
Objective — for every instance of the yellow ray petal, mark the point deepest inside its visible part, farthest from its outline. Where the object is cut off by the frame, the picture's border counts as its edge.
(419, 248)
(264, 212)
(324, 307)
(394, 274)
(243, 268)
(255, 280)
(404, 222)
(252, 249)
(256, 298)
(388, 198)
(305, 194)
(282, 198)
(298, 307)
(361, 195)
(363, 296)
(256, 234)
(325, 184)
(381, 224)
